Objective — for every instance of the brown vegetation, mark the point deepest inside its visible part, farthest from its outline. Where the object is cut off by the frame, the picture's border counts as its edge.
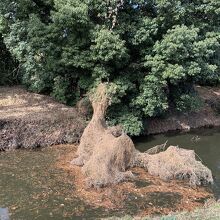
(143, 195)
(29, 120)
(105, 158)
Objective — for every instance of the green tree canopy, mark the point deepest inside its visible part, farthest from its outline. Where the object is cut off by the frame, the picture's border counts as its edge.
(151, 51)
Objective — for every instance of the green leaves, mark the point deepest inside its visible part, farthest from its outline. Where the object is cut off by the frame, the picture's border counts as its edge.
(183, 54)
(8, 66)
(108, 47)
(147, 29)
(188, 103)
(152, 97)
(70, 14)
(177, 44)
(60, 89)
(147, 51)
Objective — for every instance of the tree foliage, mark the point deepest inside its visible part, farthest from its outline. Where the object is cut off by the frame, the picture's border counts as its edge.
(149, 50)
(8, 66)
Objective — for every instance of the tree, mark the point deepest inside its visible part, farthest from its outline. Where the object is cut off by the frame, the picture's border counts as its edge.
(8, 70)
(152, 51)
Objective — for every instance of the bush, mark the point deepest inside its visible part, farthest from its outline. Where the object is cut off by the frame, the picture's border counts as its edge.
(60, 89)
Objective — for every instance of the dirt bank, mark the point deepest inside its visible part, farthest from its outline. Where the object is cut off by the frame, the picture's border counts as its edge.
(208, 116)
(29, 120)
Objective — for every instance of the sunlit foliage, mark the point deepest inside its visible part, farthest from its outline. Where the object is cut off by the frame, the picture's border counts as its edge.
(152, 51)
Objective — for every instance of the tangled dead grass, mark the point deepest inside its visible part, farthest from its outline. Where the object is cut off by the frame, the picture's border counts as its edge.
(175, 163)
(144, 195)
(105, 158)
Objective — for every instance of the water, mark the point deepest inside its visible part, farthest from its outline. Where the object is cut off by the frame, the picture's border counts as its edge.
(205, 142)
(31, 187)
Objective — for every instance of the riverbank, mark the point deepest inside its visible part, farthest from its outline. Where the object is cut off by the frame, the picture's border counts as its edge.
(207, 116)
(29, 120)
(145, 195)
(57, 189)
(211, 212)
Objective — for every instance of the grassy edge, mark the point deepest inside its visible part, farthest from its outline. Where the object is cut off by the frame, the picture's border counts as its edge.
(206, 213)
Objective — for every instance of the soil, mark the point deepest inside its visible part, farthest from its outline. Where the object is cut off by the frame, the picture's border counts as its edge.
(144, 195)
(29, 120)
(207, 116)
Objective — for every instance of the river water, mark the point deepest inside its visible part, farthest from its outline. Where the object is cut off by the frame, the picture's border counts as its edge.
(31, 188)
(205, 142)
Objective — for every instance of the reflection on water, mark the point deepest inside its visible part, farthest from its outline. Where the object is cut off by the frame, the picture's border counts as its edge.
(205, 142)
(4, 215)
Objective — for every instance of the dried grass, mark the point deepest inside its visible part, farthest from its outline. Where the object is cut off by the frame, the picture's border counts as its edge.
(29, 120)
(175, 163)
(106, 157)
